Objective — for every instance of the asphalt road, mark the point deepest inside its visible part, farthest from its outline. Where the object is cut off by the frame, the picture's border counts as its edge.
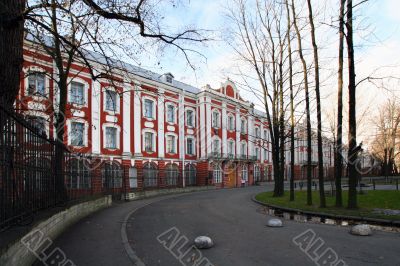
(238, 228)
(235, 223)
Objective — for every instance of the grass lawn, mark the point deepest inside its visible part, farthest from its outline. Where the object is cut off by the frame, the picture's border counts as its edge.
(382, 199)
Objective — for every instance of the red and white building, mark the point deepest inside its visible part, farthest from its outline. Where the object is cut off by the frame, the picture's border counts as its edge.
(159, 128)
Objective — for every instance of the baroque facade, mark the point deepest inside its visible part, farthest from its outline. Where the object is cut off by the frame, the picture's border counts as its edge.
(167, 133)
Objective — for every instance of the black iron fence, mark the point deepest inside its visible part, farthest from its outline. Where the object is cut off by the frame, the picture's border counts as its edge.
(35, 172)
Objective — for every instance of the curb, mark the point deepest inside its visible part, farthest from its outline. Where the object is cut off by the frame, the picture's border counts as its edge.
(372, 221)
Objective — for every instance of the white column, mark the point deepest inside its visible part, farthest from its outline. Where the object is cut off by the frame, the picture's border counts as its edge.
(238, 123)
(181, 124)
(161, 129)
(262, 140)
(208, 124)
(96, 93)
(202, 128)
(137, 120)
(224, 132)
(250, 132)
(126, 121)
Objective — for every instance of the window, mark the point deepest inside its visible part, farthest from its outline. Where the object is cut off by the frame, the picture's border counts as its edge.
(148, 142)
(189, 146)
(79, 175)
(111, 138)
(36, 84)
(243, 149)
(217, 173)
(243, 126)
(172, 174)
(265, 135)
(77, 93)
(256, 151)
(190, 175)
(171, 144)
(231, 147)
(216, 146)
(265, 155)
(231, 123)
(39, 123)
(257, 173)
(170, 114)
(215, 119)
(169, 79)
(257, 132)
(111, 101)
(77, 134)
(148, 108)
(150, 175)
(111, 175)
(245, 176)
(189, 118)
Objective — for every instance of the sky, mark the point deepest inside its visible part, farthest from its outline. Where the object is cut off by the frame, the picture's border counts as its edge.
(377, 50)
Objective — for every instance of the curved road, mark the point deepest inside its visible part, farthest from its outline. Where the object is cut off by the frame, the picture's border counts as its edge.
(232, 220)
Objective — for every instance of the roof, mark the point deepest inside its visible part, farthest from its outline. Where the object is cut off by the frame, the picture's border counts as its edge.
(136, 70)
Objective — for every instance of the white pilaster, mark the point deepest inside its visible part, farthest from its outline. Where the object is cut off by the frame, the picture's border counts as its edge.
(202, 128)
(96, 127)
(126, 121)
(224, 129)
(208, 124)
(238, 121)
(251, 138)
(161, 129)
(181, 124)
(137, 119)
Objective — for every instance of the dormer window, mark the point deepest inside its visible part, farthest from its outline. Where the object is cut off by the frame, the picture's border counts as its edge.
(168, 77)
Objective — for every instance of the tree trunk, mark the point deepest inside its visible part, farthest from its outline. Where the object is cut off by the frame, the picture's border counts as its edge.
(338, 147)
(352, 154)
(291, 104)
(11, 50)
(309, 149)
(322, 203)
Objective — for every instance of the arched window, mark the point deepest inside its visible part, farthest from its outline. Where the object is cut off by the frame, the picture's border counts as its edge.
(171, 174)
(79, 176)
(190, 175)
(217, 173)
(257, 173)
(245, 176)
(111, 175)
(150, 175)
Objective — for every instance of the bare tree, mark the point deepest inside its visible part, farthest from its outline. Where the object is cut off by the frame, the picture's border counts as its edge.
(259, 43)
(318, 99)
(307, 99)
(353, 149)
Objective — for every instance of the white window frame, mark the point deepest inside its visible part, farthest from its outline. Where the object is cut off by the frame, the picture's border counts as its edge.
(193, 117)
(245, 173)
(215, 111)
(231, 141)
(175, 147)
(104, 126)
(213, 148)
(243, 126)
(193, 148)
(117, 101)
(175, 111)
(85, 131)
(34, 69)
(148, 130)
(85, 91)
(217, 174)
(231, 127)
(243, 151)
(144, 98)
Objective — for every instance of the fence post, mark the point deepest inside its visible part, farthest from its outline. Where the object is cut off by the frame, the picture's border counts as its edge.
(397, 184)
(373, 184)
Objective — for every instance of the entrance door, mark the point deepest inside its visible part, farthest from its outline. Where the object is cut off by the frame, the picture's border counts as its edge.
(231, 176)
